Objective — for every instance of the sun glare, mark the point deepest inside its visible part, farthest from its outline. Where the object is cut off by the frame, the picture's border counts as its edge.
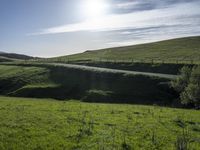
(95, 8)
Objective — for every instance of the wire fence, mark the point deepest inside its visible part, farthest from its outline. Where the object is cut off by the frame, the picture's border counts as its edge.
(151, 61)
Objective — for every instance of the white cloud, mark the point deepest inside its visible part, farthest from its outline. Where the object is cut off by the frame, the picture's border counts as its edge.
(151, 18)
(152, 36)
(126, 5)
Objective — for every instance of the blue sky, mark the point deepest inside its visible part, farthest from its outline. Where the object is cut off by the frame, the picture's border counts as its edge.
(49, 28)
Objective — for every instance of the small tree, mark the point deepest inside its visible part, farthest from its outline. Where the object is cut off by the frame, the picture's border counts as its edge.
(182, 81)
(188, 85)
(191, 94)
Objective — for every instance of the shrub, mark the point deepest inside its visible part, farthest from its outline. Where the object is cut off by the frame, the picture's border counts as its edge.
(188, 85)
(182, 81)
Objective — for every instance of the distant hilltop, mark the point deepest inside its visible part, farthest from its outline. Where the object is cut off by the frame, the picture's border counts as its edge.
(14, 56)
(182, 49)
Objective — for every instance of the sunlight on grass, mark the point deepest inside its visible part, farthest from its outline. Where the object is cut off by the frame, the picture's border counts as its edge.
(50, 124)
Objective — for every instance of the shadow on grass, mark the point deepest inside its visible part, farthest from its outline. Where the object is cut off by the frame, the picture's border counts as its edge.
(96, 86)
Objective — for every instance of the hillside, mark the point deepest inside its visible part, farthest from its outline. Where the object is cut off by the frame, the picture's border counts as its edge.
(182, 49)
(13, 56)
(99, 85)
(6, 59)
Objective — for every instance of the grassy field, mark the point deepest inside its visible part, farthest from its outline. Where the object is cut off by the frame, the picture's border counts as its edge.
(60, 82)
(71, 124)
(184, 50)
(49, 124)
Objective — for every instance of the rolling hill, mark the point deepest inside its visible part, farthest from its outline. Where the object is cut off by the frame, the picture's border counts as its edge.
(88, 84)
(181, 49)
(13, 56)
(5, 59)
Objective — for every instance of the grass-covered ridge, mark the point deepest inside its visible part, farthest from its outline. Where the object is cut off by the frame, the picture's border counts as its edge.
(15, 56)
(6, 59)
(182, 49)
(49, 124)
(60, 82)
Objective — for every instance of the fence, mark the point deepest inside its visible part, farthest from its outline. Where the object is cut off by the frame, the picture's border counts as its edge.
(151, 61)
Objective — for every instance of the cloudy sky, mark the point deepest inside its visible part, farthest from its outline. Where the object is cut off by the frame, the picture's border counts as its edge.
(48, 28)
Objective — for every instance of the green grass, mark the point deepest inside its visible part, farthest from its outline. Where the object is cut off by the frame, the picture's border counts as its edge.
(185, 50)
(14, 77)
(5, 59)
(49, 124)
(60, 82)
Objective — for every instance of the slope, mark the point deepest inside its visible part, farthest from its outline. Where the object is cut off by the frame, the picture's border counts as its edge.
(182, 49)
(14, 56)
(88, 84)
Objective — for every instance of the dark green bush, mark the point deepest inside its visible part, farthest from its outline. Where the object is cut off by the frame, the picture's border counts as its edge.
(188, 85)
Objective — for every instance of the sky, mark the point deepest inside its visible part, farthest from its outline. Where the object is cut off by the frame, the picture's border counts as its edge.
(49, 28)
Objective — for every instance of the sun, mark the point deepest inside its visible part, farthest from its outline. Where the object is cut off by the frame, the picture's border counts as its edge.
(94, 8)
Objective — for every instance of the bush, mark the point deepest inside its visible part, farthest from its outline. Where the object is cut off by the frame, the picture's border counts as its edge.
(182, 81)
(188, 85)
